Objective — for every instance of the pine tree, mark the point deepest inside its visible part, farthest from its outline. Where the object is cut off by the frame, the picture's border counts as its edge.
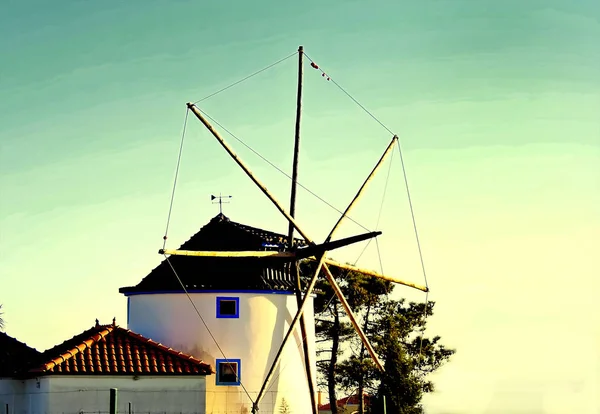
(392, 326)
(285, 407)
(1, 320)
(408, 358)
(332, 327)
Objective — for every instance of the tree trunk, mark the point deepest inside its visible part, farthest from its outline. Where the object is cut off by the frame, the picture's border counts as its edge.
(335, 344)
(361, 378)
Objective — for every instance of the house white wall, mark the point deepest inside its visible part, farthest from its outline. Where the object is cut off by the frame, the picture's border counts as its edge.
(347, 409)
(254, 338)
(24, 396)
(91, 394)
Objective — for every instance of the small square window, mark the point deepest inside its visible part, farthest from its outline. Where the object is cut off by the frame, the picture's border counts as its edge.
(228, 307)
(228, 371)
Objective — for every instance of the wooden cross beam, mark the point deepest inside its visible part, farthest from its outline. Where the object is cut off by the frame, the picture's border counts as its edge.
(298, 254)
(374, 274)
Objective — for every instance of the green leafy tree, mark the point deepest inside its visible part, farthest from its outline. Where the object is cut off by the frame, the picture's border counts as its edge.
(364, 295)
(332, 327)
(393, 328)
(408, 357)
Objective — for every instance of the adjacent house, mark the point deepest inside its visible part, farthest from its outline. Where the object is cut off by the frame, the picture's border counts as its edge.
(76, 376)
(230, 313)
(347, 405)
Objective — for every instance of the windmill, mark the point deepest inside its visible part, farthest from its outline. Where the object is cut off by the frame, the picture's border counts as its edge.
(292, 255)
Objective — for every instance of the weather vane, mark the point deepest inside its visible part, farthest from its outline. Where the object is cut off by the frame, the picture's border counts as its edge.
(220, 202)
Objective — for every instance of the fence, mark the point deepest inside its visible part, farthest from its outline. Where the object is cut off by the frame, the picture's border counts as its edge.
(98, 401)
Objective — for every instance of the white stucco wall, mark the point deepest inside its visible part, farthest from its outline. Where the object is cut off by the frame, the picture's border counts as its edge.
(147, 395)
(24, 396)
(91, 394)
(254, 338)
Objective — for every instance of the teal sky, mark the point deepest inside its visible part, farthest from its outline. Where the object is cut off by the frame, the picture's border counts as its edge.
(496, 105)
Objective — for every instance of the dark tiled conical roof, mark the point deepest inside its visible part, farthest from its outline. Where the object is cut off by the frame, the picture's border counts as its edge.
(209, 273)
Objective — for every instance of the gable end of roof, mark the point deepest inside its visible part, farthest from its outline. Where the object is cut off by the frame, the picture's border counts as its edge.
(112, 350)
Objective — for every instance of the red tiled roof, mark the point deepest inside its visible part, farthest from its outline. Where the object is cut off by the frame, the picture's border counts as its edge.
(349, 400)
(112, 350)
(14, 355)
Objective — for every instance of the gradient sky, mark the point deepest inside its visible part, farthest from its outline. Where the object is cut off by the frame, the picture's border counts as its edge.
(496, 104)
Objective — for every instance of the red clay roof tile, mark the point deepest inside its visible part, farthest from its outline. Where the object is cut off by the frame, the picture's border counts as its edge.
(112, 350)
(348, 400)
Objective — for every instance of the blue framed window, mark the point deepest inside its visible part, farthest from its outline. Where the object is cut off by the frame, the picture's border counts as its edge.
(228, 307)
(229, 371)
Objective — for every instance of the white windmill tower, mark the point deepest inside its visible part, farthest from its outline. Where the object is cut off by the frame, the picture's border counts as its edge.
(244, 286)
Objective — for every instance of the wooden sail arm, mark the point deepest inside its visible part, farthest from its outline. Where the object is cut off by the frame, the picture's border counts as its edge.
(351, 316)
(298, 254)
(318, 249)
(360, 191)
(374, 274)
(245, 168)
(228, 254)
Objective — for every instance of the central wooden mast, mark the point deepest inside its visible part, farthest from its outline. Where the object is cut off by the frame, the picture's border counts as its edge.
(294, 265)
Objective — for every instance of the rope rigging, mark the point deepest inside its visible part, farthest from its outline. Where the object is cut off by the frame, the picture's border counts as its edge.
(325, 75)
(187, 111)
(245, 78)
